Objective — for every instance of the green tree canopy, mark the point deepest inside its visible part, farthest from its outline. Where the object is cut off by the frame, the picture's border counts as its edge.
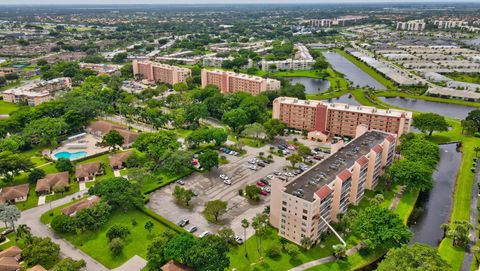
(41, 251)
(208, 159)
(411, 174)
(380, 228)
(430, 122)
(118, 192)
(113, 139)
(415, 257)
(214, 209)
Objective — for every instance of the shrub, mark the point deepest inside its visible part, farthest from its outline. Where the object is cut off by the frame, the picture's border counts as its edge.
(63, 224)
(116, 246)
(134, 222)
(117, 231)
(273, 252)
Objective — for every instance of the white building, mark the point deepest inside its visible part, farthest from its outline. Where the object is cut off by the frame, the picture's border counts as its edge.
(415, 25)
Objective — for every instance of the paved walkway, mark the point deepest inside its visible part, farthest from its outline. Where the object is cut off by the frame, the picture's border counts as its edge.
(116, 173)
(349, 252)
(82, 186)
(467, 260)
(31, 217)
(136, 263)
(41, 200)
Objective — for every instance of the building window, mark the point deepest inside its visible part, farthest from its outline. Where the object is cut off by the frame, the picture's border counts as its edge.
(284, 209)
(305, 211)
(304, 217)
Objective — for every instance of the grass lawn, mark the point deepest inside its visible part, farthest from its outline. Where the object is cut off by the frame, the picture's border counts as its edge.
(364, 67)
(7, 108)
(95, 243)
(464, 77)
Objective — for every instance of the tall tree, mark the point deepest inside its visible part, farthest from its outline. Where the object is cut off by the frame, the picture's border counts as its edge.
(245, 225)
(183, 195)
(178, 247)
(11, 164)
(474, 116)
(380, 228)
(415, 257)
(430, 122)
(113, 139)
(45, 131)
(412, 175)
(214, 209)
(459, 231)
(236, 119)
(155, 251)
(118, 192)
(260, 224)
(208, 159)
(208, 254)
(41, 251)
(9, 214)
(274, 127)
(69, 264)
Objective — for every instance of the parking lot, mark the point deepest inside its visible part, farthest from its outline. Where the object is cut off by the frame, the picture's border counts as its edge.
(209, 186)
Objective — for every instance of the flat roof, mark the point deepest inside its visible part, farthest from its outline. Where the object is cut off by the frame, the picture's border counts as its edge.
(348, 107)
(324, 172)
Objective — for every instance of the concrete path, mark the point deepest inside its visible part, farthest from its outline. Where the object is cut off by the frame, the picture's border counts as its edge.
(467, 260)
(136, 263)
(82, 186)
(41, 200)
(116, 173)
(31, 218)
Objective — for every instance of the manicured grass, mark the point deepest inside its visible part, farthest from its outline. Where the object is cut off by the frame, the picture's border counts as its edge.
(95, 243)
(74, 187)
(364, 67)
(7, 108)
(464, 77)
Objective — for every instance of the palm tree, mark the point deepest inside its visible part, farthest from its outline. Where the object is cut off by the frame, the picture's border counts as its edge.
(339, 251)
(260, 223)
(245, 225)
(445, 227)
(23, 231)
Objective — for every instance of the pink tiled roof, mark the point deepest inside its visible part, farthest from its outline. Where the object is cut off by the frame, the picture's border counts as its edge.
(323, 192)
(362, 160)
(377, 149)
(344, 175)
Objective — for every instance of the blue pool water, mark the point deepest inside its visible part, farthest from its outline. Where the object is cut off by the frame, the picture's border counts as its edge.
(70, 155)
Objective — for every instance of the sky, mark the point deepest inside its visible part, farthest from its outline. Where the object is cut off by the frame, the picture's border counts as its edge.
(97, 2)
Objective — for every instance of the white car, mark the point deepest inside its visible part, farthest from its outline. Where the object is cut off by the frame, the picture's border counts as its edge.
(203, 234)
(270, 176)
(227, 181)
(266, 189)
(252, 167)
(224, 177)
(238, 239)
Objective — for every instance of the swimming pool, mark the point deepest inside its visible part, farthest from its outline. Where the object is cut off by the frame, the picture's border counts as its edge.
(70, 155)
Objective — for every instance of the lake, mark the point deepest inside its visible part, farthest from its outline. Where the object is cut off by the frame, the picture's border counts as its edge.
(351, 71)
(437, 203)
(312, 85)
(451, 110)
(347, 99)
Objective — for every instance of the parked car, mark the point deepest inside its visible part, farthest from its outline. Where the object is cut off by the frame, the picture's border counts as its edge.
(266, 189)
(205, 233)
(182, 223)
(270, 176)
(260, 183)
(223, 177)
(278, 173)
(266, 182)
(260, 164)
(264, 193)
(192, 229)
(227, 181)
(252, 167)
(238, 239)
(181, 182)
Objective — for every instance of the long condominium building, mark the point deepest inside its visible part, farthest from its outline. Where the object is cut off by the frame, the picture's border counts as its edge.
(158, 72)
(338, 118)
(415, 25)
(303, 205)
(232, 82)
(35, 93)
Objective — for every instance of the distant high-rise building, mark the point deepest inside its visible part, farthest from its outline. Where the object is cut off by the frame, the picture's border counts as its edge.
(232, 82)
(158, 72)
(414, 25)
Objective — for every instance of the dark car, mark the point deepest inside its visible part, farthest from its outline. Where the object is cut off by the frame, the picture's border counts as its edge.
(182, 223)
(261, 164)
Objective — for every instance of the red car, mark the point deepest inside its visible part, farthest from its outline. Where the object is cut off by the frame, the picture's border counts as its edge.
(259, 183)
(264, 193)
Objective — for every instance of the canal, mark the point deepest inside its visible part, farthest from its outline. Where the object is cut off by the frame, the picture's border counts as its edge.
(351, 71)
(437, 203)
(312, 85)
(451, 110)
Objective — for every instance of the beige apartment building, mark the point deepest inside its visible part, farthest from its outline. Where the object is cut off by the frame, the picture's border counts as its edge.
(158, 72)
(35, 93)
(303, 205)
(338, 119)
(229, 82)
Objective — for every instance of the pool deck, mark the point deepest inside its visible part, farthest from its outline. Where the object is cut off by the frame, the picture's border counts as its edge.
(90, 148)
